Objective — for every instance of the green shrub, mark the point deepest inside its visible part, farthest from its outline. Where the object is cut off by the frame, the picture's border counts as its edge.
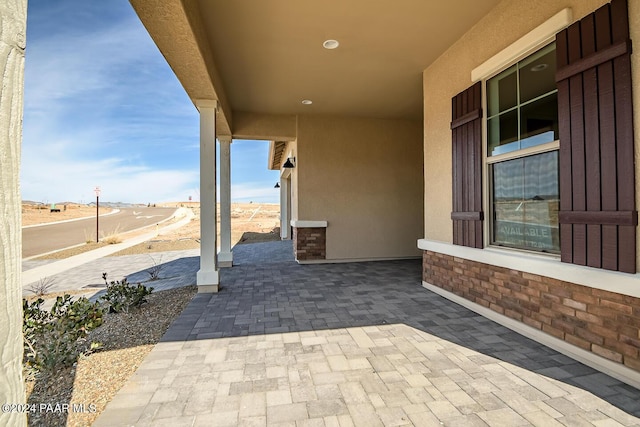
(54, 339)
(121, 295)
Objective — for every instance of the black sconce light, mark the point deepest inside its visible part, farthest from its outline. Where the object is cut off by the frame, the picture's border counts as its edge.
(289, 164)
(277, 185)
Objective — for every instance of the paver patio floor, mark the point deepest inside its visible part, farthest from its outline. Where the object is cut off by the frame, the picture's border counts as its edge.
(353, 344)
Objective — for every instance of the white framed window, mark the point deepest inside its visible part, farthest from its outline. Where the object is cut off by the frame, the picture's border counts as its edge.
(521, 155)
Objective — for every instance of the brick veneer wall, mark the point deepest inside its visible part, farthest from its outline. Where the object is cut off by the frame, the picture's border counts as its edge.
(605, 323)
(310, 243)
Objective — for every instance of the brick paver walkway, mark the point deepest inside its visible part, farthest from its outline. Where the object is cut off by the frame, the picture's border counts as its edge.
(353, 344)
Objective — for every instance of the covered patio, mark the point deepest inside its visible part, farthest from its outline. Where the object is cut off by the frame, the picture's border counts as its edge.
(353, 344)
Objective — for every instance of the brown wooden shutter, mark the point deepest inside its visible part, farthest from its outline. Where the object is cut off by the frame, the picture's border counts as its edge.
(598, 219)
(466, 126)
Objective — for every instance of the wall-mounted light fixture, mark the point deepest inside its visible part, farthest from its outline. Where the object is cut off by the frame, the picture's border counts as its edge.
(290, 164)
(277, 185)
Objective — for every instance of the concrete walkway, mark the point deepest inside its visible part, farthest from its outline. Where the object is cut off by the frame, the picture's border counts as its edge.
(353, 344)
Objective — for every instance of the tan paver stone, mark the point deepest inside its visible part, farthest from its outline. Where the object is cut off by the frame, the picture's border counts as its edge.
(319, 367)
(482, 385)
(470, 420)
(226, 403)
(459, 398)
(292, 337)
(216, 355)
(130, 400)
(443, 409)
(564, 406)
(395, 398)
(338, 363)
(390, 377)
(232, 376)
(541, 418)
(223, 389)
(287, 413)
(174, 422)
(328, 378)
(359, 363)
(575, 421)
(217, 419)
(505, 417)
(331, 421)
(331, 349)
(313, 340)
(444, 384)
(376, 400)
(241, 387)
(345, 421)
(164, 394)
(547, 409)
(607, 423)
(253, 405)
(169, 409)
(328, 392)
(353, 392)
(279, 397)
(361, 338)
(515, 401)
(364, 415)
(418, 395)
(393, 417)
(276, 372)
(228, 365)
(417, 380)
(253, 422)
(619, 415)
(255, 371)
(325, 408)
(303, 393)
(415, 407)
(381, 364)
(312, 422)
(423, 419)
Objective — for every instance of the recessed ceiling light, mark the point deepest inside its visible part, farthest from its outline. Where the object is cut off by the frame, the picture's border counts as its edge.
(330, 44)
(307, 101)
(539, 67)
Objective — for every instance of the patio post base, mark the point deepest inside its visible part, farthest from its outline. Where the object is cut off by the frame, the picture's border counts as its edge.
(225, 259)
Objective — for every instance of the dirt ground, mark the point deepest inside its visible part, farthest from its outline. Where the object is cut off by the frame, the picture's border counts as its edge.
(250, 223)
(33, 214)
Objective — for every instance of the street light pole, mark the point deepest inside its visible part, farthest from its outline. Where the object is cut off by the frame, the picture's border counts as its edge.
(97, 191)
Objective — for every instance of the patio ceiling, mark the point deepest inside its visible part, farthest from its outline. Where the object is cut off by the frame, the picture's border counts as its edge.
(267, 56)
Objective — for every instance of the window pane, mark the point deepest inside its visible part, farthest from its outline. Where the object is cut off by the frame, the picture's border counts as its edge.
(539, 121)
(502, 91)
(503, 133)
(538, 74)
(525, 203)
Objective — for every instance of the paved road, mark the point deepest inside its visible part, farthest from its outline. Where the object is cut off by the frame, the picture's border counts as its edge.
(51, 237)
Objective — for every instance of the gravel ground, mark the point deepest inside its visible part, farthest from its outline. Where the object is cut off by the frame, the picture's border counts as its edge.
(127, 338)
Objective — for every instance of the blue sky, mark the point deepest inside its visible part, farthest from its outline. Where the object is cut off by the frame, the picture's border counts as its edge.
(103, 108)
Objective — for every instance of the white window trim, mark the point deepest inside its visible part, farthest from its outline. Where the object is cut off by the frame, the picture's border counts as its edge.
(308, 224)
(524, 46)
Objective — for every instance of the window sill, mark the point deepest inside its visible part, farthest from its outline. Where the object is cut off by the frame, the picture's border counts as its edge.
(543, 265)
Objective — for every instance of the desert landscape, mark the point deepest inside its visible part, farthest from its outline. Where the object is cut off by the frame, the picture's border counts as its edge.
(250, 222)
(128, 337)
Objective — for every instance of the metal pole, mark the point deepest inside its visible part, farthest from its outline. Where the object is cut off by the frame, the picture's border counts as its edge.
(97, 215)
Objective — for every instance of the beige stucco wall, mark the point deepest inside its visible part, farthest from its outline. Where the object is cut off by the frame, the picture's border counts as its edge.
(363, 176)
(451, 73)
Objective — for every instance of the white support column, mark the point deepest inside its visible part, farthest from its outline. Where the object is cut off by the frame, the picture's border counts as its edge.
(208, 277)
(225, 256)
(285, 203)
